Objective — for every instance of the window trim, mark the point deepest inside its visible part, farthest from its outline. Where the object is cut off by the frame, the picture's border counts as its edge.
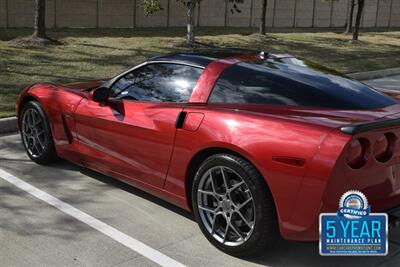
(114, 80)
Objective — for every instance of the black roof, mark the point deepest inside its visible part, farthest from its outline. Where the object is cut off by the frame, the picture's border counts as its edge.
(203, 57)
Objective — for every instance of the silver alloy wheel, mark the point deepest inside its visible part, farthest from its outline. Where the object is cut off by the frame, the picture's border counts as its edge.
(33, 133)
(226, 206)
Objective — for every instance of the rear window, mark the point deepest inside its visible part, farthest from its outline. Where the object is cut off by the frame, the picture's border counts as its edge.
(293, 83)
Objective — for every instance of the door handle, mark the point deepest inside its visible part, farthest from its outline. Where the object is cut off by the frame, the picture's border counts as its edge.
(180, 120)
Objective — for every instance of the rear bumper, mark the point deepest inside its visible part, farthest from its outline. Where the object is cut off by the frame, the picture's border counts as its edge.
(312, 233)
(380, 182)
(329, 177)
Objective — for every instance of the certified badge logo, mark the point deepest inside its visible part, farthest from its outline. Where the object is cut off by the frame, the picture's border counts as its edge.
(353, 205)
(353, 230)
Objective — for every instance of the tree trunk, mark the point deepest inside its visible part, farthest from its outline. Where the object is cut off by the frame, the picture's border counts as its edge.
(190, 22)
(40, 13)
(350, 17)
(263, 17)
(358, 19)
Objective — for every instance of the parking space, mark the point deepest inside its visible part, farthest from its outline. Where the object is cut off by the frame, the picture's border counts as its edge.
(154, 222)
(35, 233)
(390, 83)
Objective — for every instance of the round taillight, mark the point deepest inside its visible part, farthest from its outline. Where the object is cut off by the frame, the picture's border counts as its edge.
(383, 147)
(357, 153)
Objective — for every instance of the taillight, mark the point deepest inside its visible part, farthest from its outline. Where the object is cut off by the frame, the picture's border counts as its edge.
(384, 146)
(357, 153)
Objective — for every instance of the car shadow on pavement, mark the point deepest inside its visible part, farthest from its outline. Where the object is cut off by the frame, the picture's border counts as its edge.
(128, 188)
(285, 253)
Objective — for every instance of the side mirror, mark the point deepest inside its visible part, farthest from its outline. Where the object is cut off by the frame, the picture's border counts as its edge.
(101, 94)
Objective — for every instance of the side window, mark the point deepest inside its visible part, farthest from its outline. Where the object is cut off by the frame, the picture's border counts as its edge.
(159, 82)
(243, 86)
(292, 85)
(248, 85)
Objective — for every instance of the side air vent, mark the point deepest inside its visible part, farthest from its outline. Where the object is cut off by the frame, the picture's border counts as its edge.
(65, 126)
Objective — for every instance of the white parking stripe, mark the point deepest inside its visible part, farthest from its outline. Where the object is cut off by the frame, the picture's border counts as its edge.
(100, 226)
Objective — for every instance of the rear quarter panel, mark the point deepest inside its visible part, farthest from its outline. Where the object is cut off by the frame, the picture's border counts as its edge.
(256, 137)
(378, 180)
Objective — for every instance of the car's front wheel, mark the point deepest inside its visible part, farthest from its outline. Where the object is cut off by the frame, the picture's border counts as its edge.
(233, 205)
(36, 134)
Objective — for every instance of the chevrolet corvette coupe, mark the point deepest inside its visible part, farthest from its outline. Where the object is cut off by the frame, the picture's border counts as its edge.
(256, 145)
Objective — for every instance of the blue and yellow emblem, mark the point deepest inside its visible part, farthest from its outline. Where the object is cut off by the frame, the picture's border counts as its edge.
(353, 230)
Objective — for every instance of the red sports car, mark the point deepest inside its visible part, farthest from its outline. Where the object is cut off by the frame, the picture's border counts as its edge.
(257, 145)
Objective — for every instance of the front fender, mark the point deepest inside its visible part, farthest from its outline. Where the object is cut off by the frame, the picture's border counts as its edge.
(58, 104)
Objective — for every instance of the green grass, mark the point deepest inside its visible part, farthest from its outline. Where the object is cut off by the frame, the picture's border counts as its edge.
(89, 53)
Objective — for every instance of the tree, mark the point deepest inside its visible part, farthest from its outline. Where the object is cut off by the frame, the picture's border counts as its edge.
(40, 14)
(39, 36)
(263, 17)
(350, 17)
(151, 6)
(191, 4)
(358, 19)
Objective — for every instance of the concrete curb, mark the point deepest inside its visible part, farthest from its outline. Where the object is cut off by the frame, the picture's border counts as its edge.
(369, 75)
(8, 125)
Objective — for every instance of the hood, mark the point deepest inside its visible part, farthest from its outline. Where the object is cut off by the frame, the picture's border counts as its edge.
(84, 86)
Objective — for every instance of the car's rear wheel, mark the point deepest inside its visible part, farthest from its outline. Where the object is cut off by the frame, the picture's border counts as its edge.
(233, 205)
(36, 134)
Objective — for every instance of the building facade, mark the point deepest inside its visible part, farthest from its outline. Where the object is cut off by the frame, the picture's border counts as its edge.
(129, 13)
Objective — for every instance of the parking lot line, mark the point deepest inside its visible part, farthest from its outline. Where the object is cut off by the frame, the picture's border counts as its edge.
(89, 220)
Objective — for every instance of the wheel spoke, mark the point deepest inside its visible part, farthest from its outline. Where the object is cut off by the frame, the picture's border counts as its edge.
(30, 144)
(38, 121)
(40, 133)
(40, 142)
(25, 133)
(214, 225)
(27, 118)
(33, 146)
(226, 232)
(247, 201)
(38, 148)
(225, 180)
(205, 192)
(241, 236)
(207, 209)
(212, 183)
(24, 125)
(33, 118)
(250, 225)
(236, 186)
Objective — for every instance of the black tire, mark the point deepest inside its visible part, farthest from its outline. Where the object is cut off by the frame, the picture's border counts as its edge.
(265, 232)
(48, 154)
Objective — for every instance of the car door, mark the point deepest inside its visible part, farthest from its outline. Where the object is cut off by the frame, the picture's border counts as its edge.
(132, 134)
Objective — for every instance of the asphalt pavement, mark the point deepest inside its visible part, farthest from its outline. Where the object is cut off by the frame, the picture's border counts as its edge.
(65, 215)
(390, 83)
